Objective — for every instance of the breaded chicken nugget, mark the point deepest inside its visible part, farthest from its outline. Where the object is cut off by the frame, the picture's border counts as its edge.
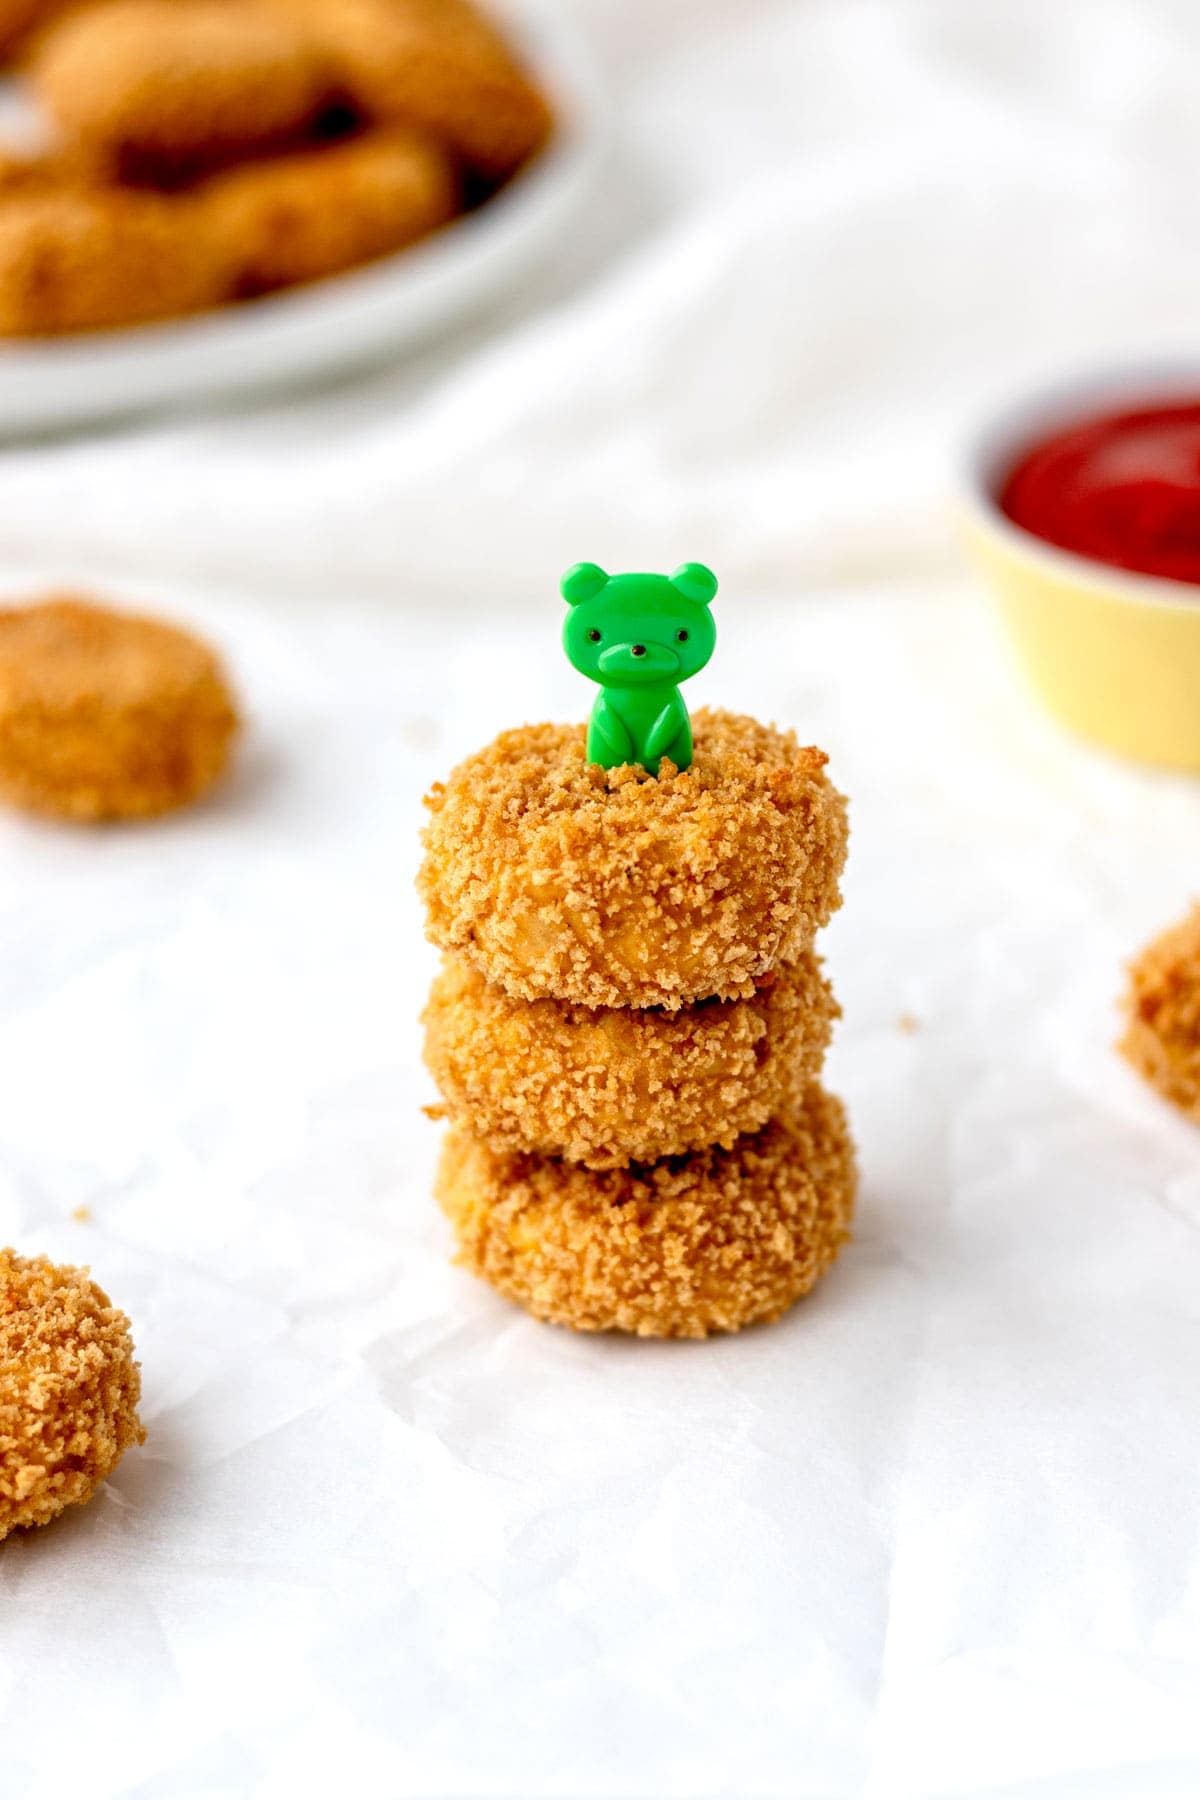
(1162, 1035)
(69, 1389)
(91, 259)
(157, 90)
(18, 18)
(24, 171)
(606, 1086)
(23, 174)
(300, 217)
(707, 1242)
(437, 64)
(105, 715)
(562, 880)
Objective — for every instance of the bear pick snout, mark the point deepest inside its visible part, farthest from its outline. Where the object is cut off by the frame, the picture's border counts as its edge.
(639, 660)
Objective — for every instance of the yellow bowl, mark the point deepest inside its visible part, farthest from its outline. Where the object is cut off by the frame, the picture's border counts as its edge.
(1115, 656)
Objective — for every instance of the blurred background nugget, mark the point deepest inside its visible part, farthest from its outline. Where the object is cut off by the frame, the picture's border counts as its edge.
(295, 218)
(204, 151)
(157, 90)
(20, 18)
(79, 259)
(27, 174)
(107, 715)
(437, 64)
(1162, 1014)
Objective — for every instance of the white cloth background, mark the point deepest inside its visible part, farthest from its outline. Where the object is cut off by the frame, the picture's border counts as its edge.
(936, 1533)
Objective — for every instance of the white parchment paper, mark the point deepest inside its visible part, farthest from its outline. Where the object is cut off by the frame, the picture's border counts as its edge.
(934, 1533)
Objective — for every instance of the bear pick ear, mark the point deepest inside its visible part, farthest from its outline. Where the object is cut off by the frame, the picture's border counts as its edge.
(582, 582)
(695, 582)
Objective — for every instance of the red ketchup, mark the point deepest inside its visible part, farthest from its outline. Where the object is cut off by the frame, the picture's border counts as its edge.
(1122, 489)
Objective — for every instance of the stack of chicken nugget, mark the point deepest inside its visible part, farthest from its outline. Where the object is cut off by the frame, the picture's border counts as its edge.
(207, 151)
(629, 1026)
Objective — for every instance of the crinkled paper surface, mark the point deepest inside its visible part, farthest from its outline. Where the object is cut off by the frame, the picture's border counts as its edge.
(937, 1532)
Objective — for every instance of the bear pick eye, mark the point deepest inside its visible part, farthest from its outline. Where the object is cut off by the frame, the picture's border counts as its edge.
(593, 637)
(681, 637)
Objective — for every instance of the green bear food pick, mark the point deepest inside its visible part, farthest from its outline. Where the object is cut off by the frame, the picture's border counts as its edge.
(639, 636)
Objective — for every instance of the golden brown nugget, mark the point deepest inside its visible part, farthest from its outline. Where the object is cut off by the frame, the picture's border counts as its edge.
(104, 715)
(707, 1242)
(607, 1086)
(1162, 1034)
(22, 173)
(437, 64)
(54, 171)
(93, 260)
(69, 1389)
(19, 18)
(562, 880)
(156, 90)
(298, 218)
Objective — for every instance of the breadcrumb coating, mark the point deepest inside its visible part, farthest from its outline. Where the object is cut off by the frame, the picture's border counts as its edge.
(105, 715)
(297, 218)
(69, 1389)
(1162, 1035)
(80, 259)
(606, 1086)
(156, 90)
(681, 1248)
(437, 64)
(562, 880)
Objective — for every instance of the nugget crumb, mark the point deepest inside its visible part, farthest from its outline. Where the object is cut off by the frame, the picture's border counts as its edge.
(1162, 1008)
(82, 1215)
(691, 1245)
(105, 715)
(560, 879)
(69, 1389)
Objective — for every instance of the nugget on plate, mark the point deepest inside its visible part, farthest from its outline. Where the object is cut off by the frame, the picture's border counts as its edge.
(92, 260)
(105, 715)
(1162, 1033)
(562, 880)
(29, 172)
(297, 218)
(155, 90)
(606, 1086)
(440, 65)
(69, 1389)
(680, 1248)
(18, 18)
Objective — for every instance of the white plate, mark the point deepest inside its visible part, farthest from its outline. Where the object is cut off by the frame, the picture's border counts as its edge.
(312, 331)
